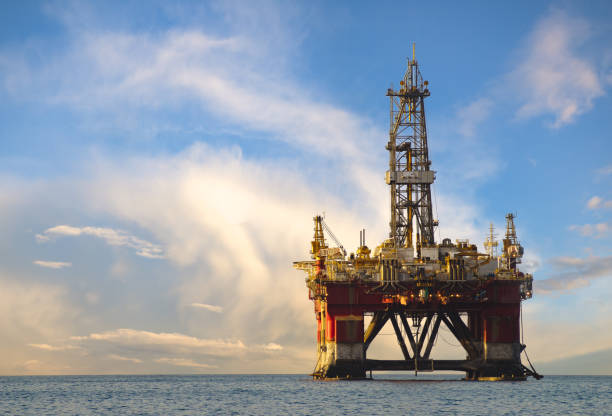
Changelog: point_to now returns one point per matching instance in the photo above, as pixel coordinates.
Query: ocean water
(387, 394)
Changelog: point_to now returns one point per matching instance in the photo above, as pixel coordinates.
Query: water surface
(299, 395)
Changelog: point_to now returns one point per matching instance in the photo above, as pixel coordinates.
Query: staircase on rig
(413, 282)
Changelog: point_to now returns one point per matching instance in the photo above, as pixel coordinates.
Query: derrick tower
(409, 173)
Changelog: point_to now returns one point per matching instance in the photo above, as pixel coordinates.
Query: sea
(386, 394)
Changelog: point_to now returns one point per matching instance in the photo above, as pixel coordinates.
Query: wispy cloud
(52, 264)
(552, 77)
(121, 358)
(604, 171)
(472, 115)
(212, 308)
(110, 236)
(592, 230)
(117, 72)
(166, 342)
(30, 365)
(183, 362)
(575, 273)
(479, 158)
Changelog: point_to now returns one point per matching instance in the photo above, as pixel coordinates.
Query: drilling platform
(413, 282)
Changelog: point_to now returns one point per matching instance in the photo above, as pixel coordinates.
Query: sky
(160, 165)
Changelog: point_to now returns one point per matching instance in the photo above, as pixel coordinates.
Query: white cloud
(121, 358)
(594, 202)
(273, 347)
(212, 308)
(596, 230)
(183, 362)
(553, 77)
(52, 264)
(232, 226)
(110, 236)
(575, 273)
(597, 202)
(606, 170)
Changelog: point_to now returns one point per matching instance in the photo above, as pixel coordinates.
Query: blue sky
(160, 166)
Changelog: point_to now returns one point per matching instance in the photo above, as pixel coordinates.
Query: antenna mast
(490, 243)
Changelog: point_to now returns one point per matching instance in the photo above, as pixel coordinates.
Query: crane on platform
(333, 236)
(319, 240)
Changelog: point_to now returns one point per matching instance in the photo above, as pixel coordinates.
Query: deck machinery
(413, 282)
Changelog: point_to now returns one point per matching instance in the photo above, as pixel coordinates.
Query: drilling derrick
(409, 175)
(413, 283)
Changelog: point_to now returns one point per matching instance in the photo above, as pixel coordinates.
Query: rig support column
(496, 330)
(340, 333)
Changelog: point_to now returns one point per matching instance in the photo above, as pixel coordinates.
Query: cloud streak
(598, 230)
(183, 362)
(121, 358)
(110, 236)
(165, 342)
(575, 273)
(52, 264)
(48, 347)
(211, 308)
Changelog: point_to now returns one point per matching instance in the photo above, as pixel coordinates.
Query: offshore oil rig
(413, 282)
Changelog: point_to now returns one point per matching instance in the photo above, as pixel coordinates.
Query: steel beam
(409, 333)
(423, 365)
(423, 334)
(469, 347)
(400, 338)
(432, 336)
(464, 331)
(376, 324)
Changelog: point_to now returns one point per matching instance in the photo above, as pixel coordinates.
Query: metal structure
(409, 174)
(414, 283)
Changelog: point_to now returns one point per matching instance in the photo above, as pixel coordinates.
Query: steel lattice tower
(409, 174)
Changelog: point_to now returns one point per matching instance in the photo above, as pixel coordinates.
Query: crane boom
(333, 236)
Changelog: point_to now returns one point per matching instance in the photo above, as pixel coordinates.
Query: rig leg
(495, 331)
(341, 352)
